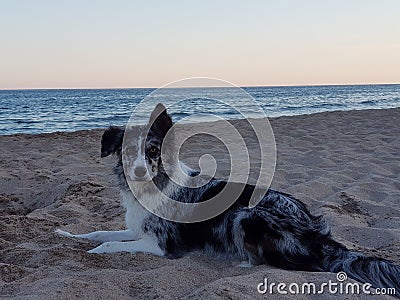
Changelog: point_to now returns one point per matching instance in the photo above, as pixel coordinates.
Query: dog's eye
(153, 150)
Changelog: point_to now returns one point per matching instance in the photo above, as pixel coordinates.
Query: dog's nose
(140, 171)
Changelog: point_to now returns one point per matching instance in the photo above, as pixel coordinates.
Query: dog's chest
(135, 213)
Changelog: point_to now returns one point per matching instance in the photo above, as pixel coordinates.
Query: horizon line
(244, 86)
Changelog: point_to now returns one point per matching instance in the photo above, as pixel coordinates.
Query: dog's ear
(111, 141)
(160, 122)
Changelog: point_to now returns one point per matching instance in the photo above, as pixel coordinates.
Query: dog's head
(141, 150)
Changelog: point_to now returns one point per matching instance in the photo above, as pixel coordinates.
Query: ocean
(40, 111)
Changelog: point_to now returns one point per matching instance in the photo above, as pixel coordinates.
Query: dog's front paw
(106, 247)
(64, 233)
(245, 264)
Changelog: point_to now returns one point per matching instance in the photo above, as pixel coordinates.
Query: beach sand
(345, 165)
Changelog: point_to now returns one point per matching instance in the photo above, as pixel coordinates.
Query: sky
(112, 44)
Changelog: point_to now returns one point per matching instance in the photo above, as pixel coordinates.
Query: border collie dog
(278, 231)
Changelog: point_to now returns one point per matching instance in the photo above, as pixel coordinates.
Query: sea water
(40, 111)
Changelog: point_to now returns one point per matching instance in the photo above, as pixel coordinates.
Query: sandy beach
(344, 165)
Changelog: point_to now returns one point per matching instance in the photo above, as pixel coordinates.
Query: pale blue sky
(77, 44)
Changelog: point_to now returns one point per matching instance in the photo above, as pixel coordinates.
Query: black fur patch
(111, 141)
(160, 122)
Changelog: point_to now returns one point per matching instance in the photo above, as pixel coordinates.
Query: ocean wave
(371, 101)
(315, 106)
(26, 121)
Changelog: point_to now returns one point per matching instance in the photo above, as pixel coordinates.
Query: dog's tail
(308, 246)
(380, 273)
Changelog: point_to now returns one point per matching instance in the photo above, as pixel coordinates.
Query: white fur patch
(135, 213)
(147, 244)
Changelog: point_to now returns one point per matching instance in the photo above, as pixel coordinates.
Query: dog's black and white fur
(279, 231)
